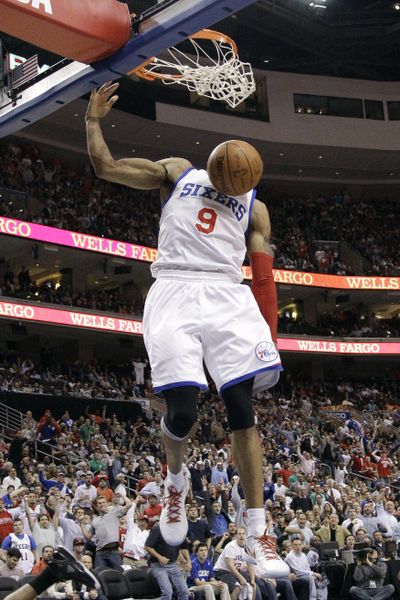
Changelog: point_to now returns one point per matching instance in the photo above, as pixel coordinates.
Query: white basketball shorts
(191, 317)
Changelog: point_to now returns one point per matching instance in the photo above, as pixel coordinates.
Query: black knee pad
(181, 410)
(239, 405)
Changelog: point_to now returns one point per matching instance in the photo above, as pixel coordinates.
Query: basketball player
(198, 310)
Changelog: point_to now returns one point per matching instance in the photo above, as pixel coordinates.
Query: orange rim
(204, 34)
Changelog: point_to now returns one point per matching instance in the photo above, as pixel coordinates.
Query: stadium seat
(26, 579)
(142, 584)
(7, 585)
(114, 584)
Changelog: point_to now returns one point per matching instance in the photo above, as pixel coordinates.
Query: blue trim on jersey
(278, 366)
(169, 386)
(253, 197)
(181, 176)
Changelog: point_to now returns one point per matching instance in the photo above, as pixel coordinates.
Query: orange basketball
(234, 167)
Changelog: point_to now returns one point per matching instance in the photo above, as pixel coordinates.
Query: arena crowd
(68, 196)
(95, 484)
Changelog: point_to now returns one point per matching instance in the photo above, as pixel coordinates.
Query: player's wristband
(264, 289)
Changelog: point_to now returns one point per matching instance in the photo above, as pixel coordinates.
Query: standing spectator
(106, 528)
(219, 474)
(6, 521)
(59, 483)
(153, 510)
(71, 528)
(12, 479)
(137, 532)
(25, 543)
(202, 576)
(198, 529)
(164, 568)
(352, 523)
(85, 494)
(43, 531)
(301, 501)
(48, 429)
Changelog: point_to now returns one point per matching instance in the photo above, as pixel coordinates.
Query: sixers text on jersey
(195, 190)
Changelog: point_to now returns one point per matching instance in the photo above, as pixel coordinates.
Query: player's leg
(176, 425)
(62, 567)
(175, 350)
(246, 450)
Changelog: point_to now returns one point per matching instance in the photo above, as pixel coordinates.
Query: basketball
(234, 167)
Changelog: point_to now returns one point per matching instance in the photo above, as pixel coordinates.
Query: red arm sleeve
(264, 289)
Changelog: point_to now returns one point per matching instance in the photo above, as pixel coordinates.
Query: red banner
(84, 320)
(83, 241)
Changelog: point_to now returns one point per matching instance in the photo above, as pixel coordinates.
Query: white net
(214, 71)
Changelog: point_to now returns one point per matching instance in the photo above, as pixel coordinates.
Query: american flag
(25, 71)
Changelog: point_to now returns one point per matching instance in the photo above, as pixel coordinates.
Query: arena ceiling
(348, 38)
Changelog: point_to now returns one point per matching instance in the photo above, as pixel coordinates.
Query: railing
(10, 418)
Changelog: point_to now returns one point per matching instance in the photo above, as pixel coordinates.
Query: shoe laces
(267, 547)
(172, 503)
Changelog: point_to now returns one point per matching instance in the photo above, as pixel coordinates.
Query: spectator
(106, 528)
(236, 568)
(25, 543)
(198, 529)
(137, 532)
(299, 566)
(47, 553)
(202, 576)
(333, 532)
(368, 576)
(164, 568)
(6, 521)
(11, 568)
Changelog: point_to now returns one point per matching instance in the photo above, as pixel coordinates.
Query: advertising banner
(92, 243)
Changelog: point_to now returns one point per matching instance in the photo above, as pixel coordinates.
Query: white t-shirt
(232, 550)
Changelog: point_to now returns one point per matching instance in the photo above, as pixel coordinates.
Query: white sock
(256, 521)
(177, 479)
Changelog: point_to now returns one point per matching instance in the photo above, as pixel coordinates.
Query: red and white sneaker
(173, 520)
(269, 563)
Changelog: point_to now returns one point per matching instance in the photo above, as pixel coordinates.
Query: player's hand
(101, 101)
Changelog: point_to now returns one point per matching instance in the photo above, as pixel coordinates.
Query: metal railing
(10, 418)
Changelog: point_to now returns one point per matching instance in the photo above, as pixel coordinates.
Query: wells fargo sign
(127, 326)
(120, 249)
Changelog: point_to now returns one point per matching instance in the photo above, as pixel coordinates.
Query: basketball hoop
(213, 70)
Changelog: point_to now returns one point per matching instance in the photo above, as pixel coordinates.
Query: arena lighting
(396, 6)
(317, 4)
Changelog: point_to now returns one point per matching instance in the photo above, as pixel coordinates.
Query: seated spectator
(299, 565)
(202, 575)
(368, 576)
(11, 568)
(42, 563)
(333, 532)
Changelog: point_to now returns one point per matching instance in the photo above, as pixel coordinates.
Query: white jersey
(24, 546)
(202, 230)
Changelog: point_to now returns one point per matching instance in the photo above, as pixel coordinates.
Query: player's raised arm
(139, 173)
(261, 259)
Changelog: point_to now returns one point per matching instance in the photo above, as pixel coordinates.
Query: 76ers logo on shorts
(266, 351)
